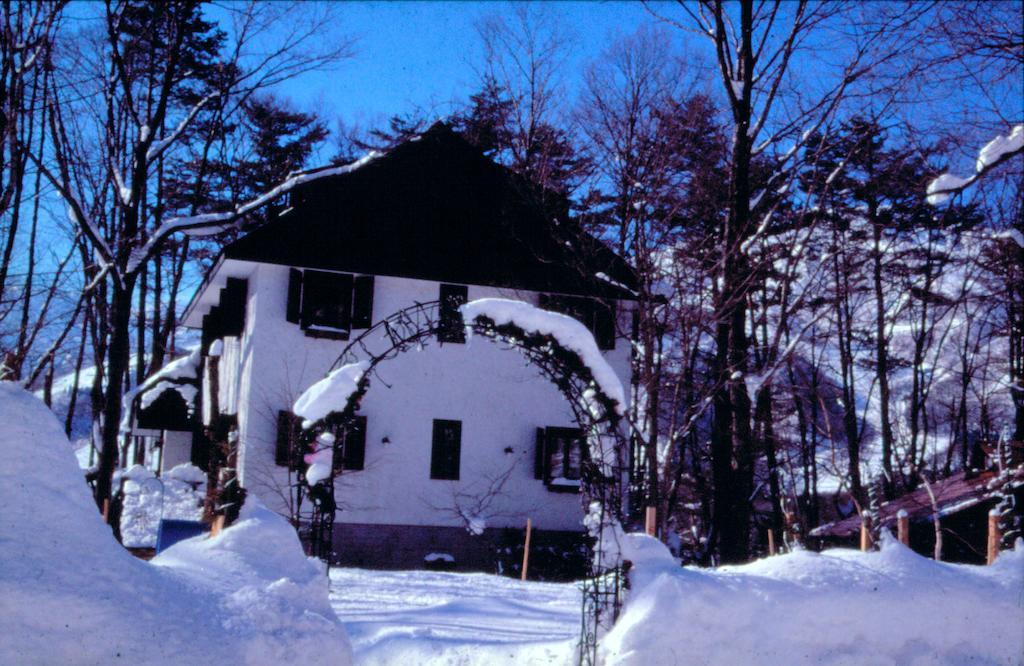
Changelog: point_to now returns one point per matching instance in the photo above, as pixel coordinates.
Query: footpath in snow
(432, 617)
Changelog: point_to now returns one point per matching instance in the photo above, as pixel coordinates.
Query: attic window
(329, 305)
(559, 458)
(597, 315)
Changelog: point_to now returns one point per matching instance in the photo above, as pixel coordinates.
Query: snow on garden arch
(561, 348)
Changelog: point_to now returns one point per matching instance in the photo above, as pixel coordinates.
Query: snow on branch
(994, 153)
(206, 224)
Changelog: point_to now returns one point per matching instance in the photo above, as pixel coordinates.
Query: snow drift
(70, 594)
(836, 607)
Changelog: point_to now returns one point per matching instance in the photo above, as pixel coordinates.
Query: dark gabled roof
(436, 208)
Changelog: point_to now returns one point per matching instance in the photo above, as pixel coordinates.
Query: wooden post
(771, 541)
(651, 521)
(106, 510)
(993, 537)
(526, 548)
(865, 533)
(903, 527)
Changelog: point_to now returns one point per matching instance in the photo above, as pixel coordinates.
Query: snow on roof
(569, 333)
(181, 375)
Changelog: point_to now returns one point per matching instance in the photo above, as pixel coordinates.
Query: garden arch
(598, 414)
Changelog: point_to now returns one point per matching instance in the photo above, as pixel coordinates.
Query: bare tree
(166, 78)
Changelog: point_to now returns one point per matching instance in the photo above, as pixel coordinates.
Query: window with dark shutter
(327, 303)
(564, 451)
(445, 450)
(354, 448)
(362, 302)
(288, 451)
(450, 326)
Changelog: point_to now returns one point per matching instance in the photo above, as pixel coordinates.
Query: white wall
(497, 395)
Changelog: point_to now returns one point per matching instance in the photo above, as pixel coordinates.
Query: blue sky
(427, 54)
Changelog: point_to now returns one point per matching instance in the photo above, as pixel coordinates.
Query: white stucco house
(460, 440)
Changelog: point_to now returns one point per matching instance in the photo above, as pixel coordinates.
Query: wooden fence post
(651, 521)
(865, 533)
(526, 548)
(993, 537)
(903, 527)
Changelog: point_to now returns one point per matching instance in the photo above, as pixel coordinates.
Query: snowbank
(569, 333)
(837, 607)
(70, 594)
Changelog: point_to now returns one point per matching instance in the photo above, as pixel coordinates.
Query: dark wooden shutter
(604, 324)
(362, 302)
(450, 326)
(232, 304)
(355, 444)
(294, 310)
(540, 455)
(445, 450)
(288, 427)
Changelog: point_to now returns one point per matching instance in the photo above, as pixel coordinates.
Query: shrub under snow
(836, 607)
(70, 594)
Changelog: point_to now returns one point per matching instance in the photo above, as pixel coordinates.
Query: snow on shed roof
(951, 495)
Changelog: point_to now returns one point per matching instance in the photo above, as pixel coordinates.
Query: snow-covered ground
(70, 594)
(841, 607)
(432, 617)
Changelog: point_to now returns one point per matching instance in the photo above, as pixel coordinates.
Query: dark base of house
(554, 555)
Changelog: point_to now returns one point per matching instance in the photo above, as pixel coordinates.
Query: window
(451, 328)
(597, 315)
(290, 449)
(559, 457)
(445, 450)
(327, 304)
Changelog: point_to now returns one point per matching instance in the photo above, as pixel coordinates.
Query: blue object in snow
(173, 531)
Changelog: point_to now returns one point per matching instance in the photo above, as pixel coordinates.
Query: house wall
(499, 398)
